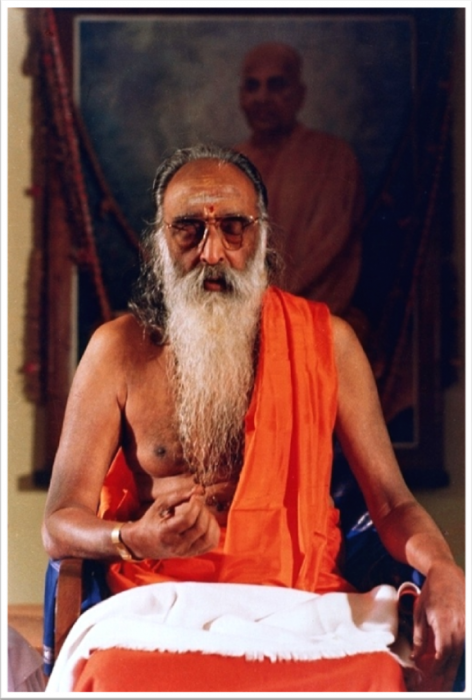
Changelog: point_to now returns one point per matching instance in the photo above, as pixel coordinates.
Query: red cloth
(282, 529)
(125, 670)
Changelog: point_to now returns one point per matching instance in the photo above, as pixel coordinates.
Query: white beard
(212, 336)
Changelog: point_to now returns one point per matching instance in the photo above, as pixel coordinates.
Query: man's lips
(216, 285)
(214, 279)
(263, 114)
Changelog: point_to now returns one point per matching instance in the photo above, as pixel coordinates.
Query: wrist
(443, 568)
(121, 547)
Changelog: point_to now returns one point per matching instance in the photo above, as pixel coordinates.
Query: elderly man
(315, 187)
(196, 448)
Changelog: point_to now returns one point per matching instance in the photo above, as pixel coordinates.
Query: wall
(26, 559)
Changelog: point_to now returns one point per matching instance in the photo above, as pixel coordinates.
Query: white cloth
(232, 620)
(24, 665)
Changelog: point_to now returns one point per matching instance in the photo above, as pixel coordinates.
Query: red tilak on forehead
(209, 210)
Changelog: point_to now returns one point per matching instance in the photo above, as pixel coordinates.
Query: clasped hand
(176, 524)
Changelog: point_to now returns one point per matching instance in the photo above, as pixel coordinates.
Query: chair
(74, 585)
(71, 587)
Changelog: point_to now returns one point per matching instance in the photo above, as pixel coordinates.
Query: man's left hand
(439, 628)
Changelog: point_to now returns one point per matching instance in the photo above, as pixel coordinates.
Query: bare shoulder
(119, 340)
(352, 365)
(345, 339)
(117, 350)
(123, 327)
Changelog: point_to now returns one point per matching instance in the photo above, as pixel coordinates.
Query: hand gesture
(177, 523)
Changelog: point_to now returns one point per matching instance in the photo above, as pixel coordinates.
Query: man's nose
(212, 250)
(262, 93)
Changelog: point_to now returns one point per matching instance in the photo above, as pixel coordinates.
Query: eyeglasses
(191, 232)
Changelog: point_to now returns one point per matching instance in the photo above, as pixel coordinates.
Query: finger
(435, 679)
(438, 660)
(167, 505)
(182, 519)
(208, 540)
(423, 636)
(169, 485)
(446, 664)
(449, 676)
(166, 513)
(195, 518)
(202, 533)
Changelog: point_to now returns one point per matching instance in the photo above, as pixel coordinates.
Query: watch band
(120, 546)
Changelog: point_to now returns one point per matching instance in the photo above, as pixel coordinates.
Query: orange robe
(282, 529)
(316, 201)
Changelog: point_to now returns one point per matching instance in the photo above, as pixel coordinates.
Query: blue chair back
(94, 589)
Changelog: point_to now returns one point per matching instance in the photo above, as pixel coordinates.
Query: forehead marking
(215, 187)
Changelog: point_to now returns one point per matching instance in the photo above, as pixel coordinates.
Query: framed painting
(148, 81)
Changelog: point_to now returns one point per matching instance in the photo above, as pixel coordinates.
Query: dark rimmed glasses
(191, 232)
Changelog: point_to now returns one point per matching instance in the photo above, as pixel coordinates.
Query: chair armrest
(68, 599)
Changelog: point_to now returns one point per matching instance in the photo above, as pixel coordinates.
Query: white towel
(232, 620)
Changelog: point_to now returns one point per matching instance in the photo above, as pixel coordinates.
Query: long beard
(213, 337)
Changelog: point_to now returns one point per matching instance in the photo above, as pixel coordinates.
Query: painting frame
(421, 457)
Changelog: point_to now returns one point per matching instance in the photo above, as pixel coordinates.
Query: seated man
(197, 447)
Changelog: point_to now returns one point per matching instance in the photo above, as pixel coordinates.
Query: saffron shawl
(282, 529)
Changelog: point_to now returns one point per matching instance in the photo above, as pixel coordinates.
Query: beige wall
(26, 559)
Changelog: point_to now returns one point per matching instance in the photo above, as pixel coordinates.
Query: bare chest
(150, 440)
(149, 431)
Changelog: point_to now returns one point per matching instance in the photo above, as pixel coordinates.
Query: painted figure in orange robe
(313, 179)
(197, 444)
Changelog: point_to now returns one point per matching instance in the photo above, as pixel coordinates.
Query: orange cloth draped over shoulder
(282, 529)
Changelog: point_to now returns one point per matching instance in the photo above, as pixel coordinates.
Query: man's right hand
(177, 524)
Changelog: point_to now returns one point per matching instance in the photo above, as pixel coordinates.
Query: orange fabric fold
(282, 529)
